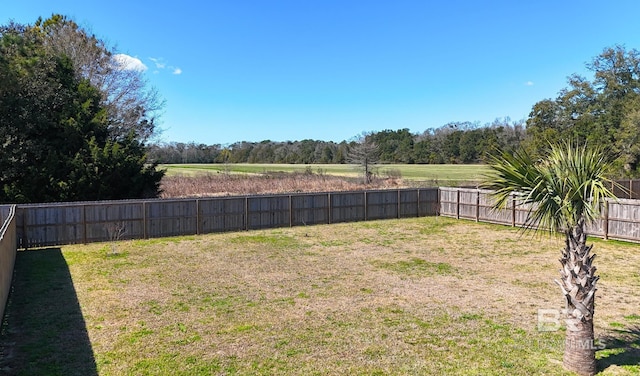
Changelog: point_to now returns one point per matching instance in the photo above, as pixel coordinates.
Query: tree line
(459, 142)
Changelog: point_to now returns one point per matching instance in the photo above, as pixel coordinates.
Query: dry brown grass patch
(207, 185)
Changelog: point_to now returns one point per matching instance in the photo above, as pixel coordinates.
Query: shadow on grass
(44, 332)
(622, 348)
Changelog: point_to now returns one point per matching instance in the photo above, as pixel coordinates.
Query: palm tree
(564, 191)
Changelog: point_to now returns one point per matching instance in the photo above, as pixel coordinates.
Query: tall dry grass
(207, 185)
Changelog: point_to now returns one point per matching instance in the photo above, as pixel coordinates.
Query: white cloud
(127, 62)
(529, 83)
(160, 64)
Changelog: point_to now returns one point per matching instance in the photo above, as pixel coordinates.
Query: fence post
(457, 203)
(478, 206)
(606, 220)
(328, 207)
(399, 206)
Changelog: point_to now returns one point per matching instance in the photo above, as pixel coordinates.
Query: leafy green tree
(565, 190)
(50, 121)
(327, 155)
(394, 146)
(601, 111)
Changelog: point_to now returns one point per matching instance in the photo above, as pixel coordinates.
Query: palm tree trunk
(579, 349)
(578, 284)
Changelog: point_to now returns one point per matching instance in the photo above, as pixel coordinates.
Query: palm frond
(568, 184)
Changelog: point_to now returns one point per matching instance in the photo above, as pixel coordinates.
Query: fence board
(382, 205)
(48, 225)
(268, 212)
(8, 249)
(449, 202)
(310, 209)
(428, 202)
(222, 214)
(620, 190)
(486, 213)
(627, 189)
(409, 203)
(468, 204)
(348, 207)
(101, 220)
(171, 218)
(624, 220)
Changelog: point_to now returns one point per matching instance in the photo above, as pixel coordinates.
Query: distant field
(407, 171)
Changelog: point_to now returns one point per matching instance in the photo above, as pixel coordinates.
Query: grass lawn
(422, 296)
(444, 173)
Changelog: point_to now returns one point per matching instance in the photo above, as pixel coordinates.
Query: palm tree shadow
(622, 348)
(44, 332)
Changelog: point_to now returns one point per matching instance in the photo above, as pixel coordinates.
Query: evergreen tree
(52, 125)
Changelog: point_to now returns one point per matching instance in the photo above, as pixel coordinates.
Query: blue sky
(329, 70)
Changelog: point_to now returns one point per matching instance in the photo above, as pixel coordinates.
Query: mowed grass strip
(427, 296)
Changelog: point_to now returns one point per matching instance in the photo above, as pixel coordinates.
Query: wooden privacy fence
(627, 189)
(620, 217)
(8, 248)
(40, 225)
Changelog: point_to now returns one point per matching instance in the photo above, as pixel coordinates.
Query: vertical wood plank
(513, 211)
(478, 206)
(606, 220)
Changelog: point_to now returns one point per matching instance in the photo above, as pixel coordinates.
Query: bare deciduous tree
(364, 153)
(132, 105)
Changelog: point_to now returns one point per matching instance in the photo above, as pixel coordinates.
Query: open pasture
(420, 296)
(443, 173)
